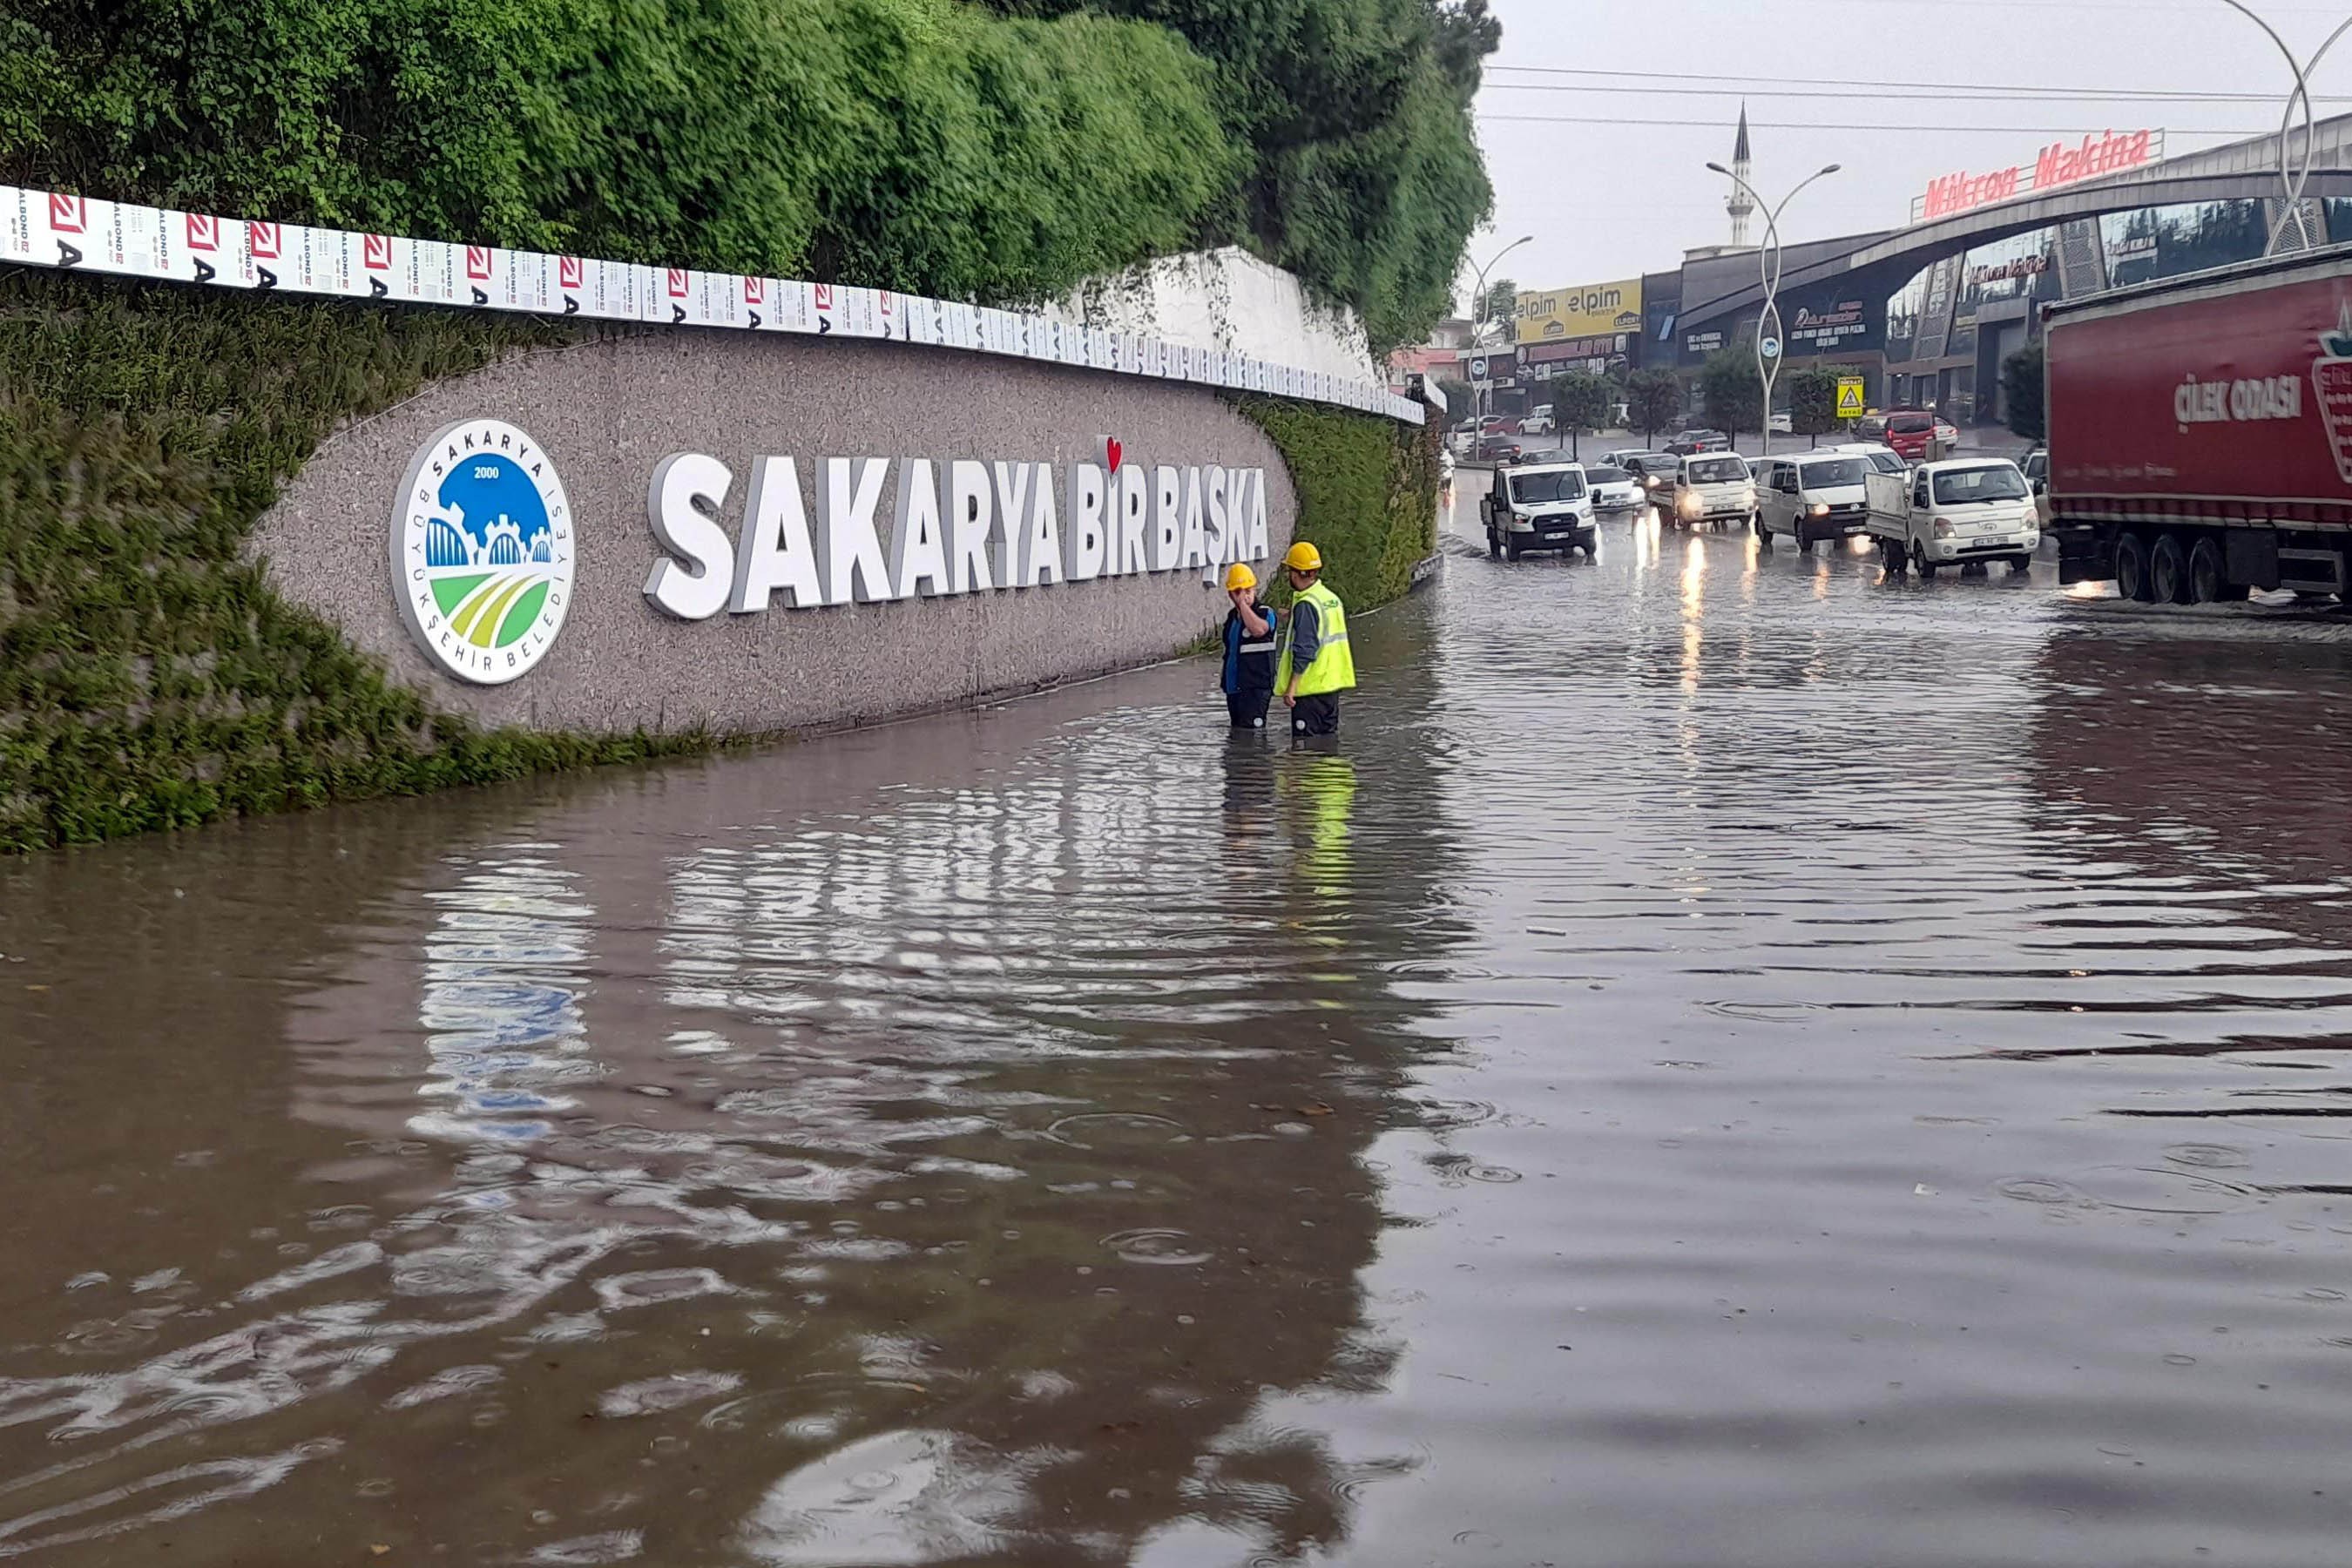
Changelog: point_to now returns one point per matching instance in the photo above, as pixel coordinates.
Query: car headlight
(1748, 496)
(1649, 482)
(1820, 509)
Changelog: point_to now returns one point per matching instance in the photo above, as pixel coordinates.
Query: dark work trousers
(1318, 715)
(1248, 708)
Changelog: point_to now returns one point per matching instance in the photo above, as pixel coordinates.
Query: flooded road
(1728, 1062)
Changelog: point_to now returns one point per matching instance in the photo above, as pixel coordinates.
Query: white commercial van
(1955, 515)
(1812, 498)
(1539, 506)
(1714, 488)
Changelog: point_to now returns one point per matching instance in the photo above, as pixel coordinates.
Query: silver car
(1614, 489)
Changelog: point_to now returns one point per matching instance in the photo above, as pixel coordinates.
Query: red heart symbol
(1113, 452)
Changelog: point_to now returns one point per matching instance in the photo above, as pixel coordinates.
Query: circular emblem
(482, 550)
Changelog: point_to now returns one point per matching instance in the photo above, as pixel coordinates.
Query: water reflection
(1807, 1075)
(881, 1178)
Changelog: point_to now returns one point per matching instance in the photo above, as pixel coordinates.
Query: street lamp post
(1477, 314)
(2294, 171)
(1767, 325)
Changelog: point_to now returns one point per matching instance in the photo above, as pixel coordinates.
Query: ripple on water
(1117, 1130)
(653, 1395)
(2208, 1156)
(655, 1286)
(1173, 1249)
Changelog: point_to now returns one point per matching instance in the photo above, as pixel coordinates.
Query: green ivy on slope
(149, 677)
(923, 145)
(1367, 493)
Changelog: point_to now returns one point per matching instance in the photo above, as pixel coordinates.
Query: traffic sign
(1771, 347)
(1849, 404)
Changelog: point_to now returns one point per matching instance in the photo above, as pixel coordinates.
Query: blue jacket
(1249, 660)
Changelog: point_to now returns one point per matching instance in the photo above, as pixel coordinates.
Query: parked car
(1498, 449)
(1614, 488)
(1813, 498)
(1656, 470)
(1537, 424)
(1918, 437)
(1539, 506)
(1714, 488)
(1955, 513)
(1782, 423)
(1871, 427)
(1461, 443)
(2036, 468)
(1499, 424)
(1690, 443)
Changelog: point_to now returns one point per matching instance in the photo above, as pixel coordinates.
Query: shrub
(149, 675)
(1367, 492)
(914, 145)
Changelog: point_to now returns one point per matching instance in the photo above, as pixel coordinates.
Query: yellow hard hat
(1304, 557)
(1238, 576)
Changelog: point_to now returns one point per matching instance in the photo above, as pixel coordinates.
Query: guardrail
(48, 228)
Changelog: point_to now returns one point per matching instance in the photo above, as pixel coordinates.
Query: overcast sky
(1609, 200)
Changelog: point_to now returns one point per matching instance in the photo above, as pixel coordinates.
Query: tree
(1730, 393)
(1653, 400)
(1004, 150)
(1580, 403)
(1461, 401)
(2021, 392)
(1500, 302)
(1813, 401)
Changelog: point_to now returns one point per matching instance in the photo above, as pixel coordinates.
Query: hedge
(932, 146)
(1367, 492)
(149, 677)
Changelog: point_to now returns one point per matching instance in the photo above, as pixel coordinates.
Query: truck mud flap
(2083, 556)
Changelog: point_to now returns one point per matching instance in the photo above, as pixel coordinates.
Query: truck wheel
(1511, 548)
(2131, 568)
(1494, 546)
(2207, 576)
(2168, 571)
(1756, 525)
(1897, 558)
(1925, 563)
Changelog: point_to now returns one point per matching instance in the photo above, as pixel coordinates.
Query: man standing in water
(1316, 664)
(1250, 629)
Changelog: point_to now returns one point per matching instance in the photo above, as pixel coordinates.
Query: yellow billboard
(1555, 315)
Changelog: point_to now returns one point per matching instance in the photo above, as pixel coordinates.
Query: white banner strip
(42, 228)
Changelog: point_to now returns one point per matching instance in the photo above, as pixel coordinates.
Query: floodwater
(1726, 1062)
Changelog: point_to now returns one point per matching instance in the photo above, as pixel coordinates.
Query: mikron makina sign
(2060, 163)
(484, 541)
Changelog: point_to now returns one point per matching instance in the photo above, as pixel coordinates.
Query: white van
(1539, 506)
(1714, 488)
(1811, 498)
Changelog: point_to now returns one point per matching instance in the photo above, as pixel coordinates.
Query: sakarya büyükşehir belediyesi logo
(482, 550)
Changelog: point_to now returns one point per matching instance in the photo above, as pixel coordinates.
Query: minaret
(1741, 207)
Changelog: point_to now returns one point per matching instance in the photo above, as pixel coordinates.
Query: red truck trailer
(2200, 431)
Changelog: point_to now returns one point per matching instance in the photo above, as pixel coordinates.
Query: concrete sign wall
(754, 534)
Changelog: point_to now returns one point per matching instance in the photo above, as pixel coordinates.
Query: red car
(1917, 436)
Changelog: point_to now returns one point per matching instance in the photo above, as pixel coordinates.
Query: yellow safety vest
(1334, 667)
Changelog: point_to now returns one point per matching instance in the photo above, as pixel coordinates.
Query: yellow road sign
(1850, 405)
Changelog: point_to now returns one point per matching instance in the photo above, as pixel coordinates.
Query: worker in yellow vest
(1316, 665)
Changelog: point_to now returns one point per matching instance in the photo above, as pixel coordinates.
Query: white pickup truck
(1955, 513)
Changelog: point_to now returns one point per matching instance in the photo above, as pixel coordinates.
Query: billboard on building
(1592, 310)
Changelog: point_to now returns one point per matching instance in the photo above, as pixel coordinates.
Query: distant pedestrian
(1316, 664)
(1250, 629)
